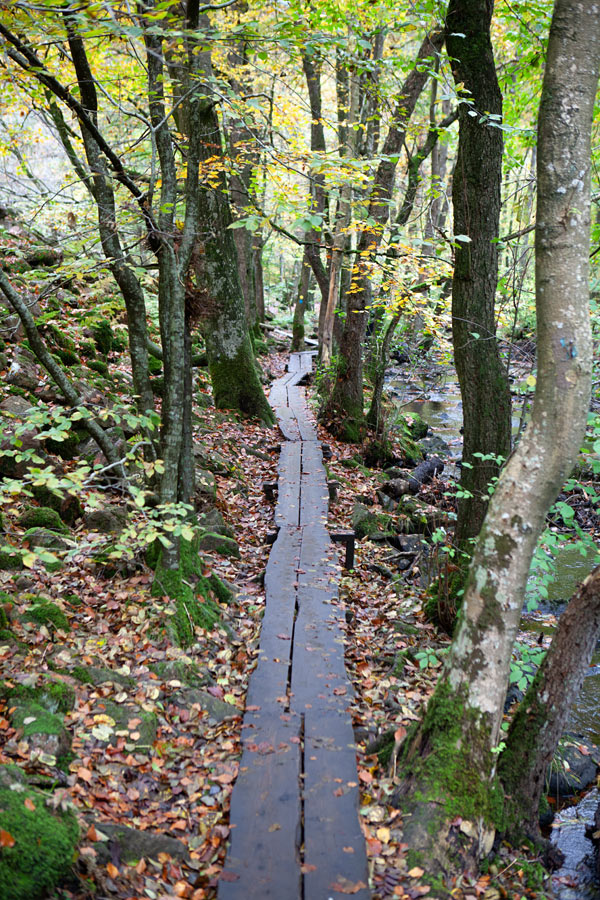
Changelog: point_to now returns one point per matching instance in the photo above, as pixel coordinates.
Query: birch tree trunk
(448, 766)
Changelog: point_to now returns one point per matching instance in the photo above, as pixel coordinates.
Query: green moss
(236, 384)
(44, 845)
(45, 612)
(52, 696)
(87, 349)
(34, 719)
(67, 357)
(157, 383)
(445, 774)
(103, 336)
(68, 506)
(191, 591)
(98, 365)
(417, 426)
(155, 366)
(10, 561)
(67, 448)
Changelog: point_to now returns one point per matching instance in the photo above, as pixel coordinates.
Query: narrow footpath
(295, 833)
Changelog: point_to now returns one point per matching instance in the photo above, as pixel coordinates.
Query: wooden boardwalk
(295, 833)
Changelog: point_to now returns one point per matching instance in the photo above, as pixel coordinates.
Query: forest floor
(151, 738)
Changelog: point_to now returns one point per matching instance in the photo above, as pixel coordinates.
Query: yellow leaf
(416, 872)
(383, 835)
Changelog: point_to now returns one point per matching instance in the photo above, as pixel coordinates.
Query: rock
(97, 675)
(218, 543)
(42, 517)
(10, 561)
(398, 487)
(178, 670)
(105, 521)
(42, 537)
(216, 708)
(425, 472)
(582, 767)
(16, 406)
(213, 521)
(45, 612)
(417, 426)
(68, 506)
(206, 489)
(141, 734)
(44, 845)
(129, 845)
(43, 730)
(22, 374)
(368, 524)
(433, 443)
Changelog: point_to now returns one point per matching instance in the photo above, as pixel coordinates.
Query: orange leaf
(84, 774)
(6, 839)
(400, 734)
(112, 870)
(365, 776)
(30, 805)
(344, 886)
(416, 872)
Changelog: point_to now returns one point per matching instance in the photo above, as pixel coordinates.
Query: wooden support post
(333, 488)
(270, 488)
(347, 538)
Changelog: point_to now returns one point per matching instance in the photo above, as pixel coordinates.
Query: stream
(435, 396)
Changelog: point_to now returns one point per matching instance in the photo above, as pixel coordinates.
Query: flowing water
(436, 398)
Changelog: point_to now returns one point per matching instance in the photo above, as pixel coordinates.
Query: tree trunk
(476, 199)
(540, 720)
(301, 306)
(231, 363)
(448, 764)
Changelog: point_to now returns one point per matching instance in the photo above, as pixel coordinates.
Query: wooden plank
(314, 493)
(265, 818)
(287, 508)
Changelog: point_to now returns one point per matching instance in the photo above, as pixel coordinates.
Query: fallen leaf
(275, 827)
(344, 886)
(416, 872)
(112, 870)
(6, 839)
(308, 867)
(383, 834)
(30, 805)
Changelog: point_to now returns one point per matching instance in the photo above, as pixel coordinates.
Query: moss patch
(42, 517)
(53, 696)
(45, 612)
(43, 848)
(192, 593)
(10, 561)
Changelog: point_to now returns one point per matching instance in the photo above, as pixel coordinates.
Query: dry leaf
(416, 872)
(6, 839)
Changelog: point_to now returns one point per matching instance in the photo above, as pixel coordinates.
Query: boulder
(216, 708)
(42, 537)
(23, 374)
(574, 767)
(42, 517)
(218, 543)
(105, 521)
(213, 521)
(129, 845)
(206, 489)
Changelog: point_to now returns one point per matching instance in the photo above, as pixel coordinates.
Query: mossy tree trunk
(301, 305)
(477, 180)
(539, 722)
(448, 766)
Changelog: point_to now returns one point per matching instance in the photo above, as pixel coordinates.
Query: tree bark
(448, 765)
(483, 379)
(540, 720)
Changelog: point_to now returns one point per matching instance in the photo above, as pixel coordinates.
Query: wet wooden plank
(287, 508)
(265, 818)
(314, 494)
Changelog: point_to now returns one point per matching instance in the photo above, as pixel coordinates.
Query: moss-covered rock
(98, 365)
(68, 506)
(367, 524)
(105, 521)
(42, 517)
(67, 357)
(219, 543)
(417, 426)
(139, 725)
(68, 448)
(179, 670)
(97, 675)
(41, 537)
(10, 561)
(104, 338)
(53, 695)
(45, 612)
(44, 841)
